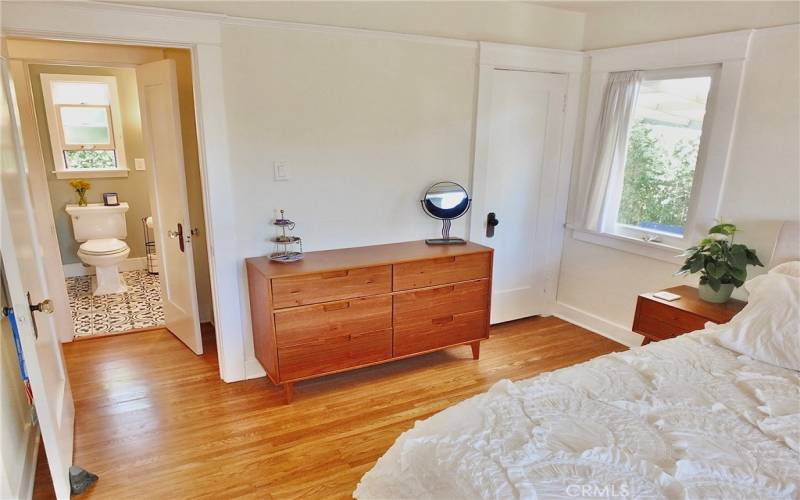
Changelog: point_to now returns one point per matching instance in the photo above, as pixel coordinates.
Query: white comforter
(684, 418)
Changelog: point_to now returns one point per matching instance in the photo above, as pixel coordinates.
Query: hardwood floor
(155, 421)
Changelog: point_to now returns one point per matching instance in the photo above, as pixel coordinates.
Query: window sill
(653, 250)
(91, 173)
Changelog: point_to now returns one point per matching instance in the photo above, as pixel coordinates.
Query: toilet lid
(104, 246)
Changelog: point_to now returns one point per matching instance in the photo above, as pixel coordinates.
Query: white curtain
(611, 143)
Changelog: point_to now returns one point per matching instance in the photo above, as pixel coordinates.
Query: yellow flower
(79, 185)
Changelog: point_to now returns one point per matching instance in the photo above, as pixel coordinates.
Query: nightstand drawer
(654, 329)
(681, 320)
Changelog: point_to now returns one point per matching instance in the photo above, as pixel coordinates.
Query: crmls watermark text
(599, 491)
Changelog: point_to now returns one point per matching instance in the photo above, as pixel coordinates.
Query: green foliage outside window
(90, 158)
(658, 182)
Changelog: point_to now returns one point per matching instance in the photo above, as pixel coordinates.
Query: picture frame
(110, 199)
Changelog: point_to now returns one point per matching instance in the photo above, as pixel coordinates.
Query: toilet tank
(96, 221)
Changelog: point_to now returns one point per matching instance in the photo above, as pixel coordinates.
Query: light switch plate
(281, 170)
(139, 164)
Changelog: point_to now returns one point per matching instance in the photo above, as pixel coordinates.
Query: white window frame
(57, 140)
(728, 53)
(615, 185)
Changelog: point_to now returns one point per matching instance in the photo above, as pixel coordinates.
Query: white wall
(365, 125)
(761, 190)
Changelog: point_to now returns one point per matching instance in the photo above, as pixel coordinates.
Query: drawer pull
(334, 274)
(443, 320)
(335, 307)
(435, 291)
(445, 260)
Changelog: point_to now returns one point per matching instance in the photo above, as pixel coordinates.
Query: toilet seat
(104, 246)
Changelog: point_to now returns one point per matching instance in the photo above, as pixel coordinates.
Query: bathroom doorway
(115, 123)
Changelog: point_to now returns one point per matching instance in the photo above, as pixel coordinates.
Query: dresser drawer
(682, 321)
(427, 333)
(441, 301)
(346, 317)
(328, 286)
(333, 354)
(431, 272)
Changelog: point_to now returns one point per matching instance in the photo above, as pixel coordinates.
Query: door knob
(179, 235)
(491, 223)
(45, 306)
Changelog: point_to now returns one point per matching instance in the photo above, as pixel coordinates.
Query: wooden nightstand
(658, 319)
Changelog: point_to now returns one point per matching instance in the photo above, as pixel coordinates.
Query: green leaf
(726, 229)
(739, 274)
(752, 258)
(696, 264)
(738, 257)
(714, 283)
(716, 270)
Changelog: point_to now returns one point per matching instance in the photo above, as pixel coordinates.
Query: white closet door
(518, 146)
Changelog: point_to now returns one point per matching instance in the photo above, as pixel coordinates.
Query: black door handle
(180, 237)
(491, 223)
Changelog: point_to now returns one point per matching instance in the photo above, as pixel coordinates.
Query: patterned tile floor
(139, 307)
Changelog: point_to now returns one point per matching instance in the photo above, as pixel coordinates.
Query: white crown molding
(340, 30)
(143, 25)
(507, 56)
(694, 51)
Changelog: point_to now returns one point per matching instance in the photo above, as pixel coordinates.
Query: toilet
(101, 230)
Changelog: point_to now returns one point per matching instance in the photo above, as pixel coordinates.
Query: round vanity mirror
(446, 201)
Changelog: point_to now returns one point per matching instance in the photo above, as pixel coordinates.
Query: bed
(710, 414)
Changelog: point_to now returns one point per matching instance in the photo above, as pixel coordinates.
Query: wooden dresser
(338, 310)
(658, 319)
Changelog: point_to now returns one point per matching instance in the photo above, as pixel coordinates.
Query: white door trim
(202, 35)
(494, 56)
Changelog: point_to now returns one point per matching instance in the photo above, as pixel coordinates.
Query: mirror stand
(446, 201)
(446, 239)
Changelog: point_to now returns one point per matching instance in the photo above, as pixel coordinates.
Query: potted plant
(722, 264)
(80, 186)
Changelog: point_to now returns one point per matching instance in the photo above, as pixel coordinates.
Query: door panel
(24, 272)
(522, 127)
(161, 127)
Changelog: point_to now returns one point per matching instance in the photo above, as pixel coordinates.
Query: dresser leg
(646, 341)
(288, 392)
(476, 350)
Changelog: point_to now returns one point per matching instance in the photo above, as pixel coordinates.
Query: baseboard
(596, 324)
(253, 369)
(78, 269)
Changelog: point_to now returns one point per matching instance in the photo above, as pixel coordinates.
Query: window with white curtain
(650, 194)
(85, 125)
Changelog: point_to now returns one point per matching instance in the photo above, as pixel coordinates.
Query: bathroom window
(83, 117)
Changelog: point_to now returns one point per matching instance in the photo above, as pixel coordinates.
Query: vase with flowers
(81, 187)
(722, 264)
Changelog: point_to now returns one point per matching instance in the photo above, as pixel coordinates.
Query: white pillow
(791, 268)
(768, 328)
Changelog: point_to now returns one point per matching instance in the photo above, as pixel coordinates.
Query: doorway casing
(202, 36)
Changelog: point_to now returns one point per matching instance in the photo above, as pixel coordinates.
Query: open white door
(26, 284)
(518, 144)
(161, 127)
